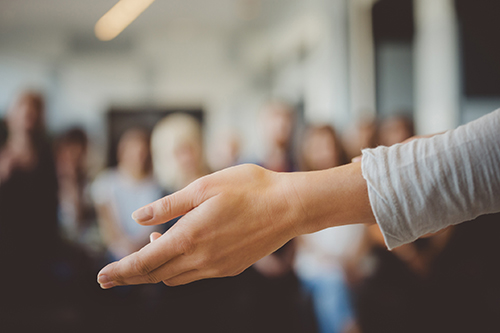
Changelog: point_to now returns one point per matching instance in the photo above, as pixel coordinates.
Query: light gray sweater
(428, 184)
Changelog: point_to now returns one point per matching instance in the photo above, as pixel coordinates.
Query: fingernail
(103, 279)
(356, 159)
(151, 239)
(107, 285)
(143, 215)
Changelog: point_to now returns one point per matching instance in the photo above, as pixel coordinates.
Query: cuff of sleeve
(383, 207)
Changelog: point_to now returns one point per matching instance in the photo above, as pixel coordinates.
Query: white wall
(166, 69)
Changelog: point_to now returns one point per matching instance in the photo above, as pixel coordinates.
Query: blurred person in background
(394, 290)
(177, 148)
(76, 212)
(444, 282)
(275, 296)
(320, 256)
(278, 123)
(395, 129)
(251, 302)
(27, 174)
(3, 133)
(395, 286)
(48, 282)
(363, 134)
(225, 152)
(179, 159)
(117, 192)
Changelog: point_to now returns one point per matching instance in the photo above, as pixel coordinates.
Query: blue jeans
(331, 301)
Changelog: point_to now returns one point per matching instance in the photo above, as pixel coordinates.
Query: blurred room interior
(338, 60)
(342, 63)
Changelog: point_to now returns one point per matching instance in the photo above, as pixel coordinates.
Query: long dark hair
(339, 148)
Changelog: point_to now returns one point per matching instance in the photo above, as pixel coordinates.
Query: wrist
(332, 197)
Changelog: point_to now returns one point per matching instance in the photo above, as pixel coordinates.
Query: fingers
(154, 236)
(141, 263)
(185, 278)
(167, 208)
(356, 159)
(170, 269)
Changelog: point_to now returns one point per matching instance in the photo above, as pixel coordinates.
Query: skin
(235, 217)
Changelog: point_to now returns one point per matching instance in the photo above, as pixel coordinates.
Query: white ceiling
(80, 15)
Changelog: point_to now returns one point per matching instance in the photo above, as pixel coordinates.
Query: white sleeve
(428, 184)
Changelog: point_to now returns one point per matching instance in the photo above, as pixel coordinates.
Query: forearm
(332, 197)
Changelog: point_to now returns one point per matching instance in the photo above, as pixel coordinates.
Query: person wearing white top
(119, 191)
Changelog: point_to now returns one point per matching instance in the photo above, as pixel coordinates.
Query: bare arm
(237, 216)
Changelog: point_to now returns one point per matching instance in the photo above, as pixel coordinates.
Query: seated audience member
(27, 174)
(447, 282)
(278, 124)
(444, 282)
(273, 289)
(47, 287)
(395, 129)
(225, 152)
(320, 256)
(177, 147)
(179, 159)
(364, 134)
(76, 212)
(3, 133)
(117, 192)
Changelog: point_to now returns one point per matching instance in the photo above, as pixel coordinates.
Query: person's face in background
(278, 124)
(320, 150)
(367, 132)
(134, 153)
(26, 116)
(395, 130)
(362, 135)
(188, 157)
(71, 158)
(226, 152)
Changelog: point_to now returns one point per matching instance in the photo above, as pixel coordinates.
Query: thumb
(154, 236)
(167, 208)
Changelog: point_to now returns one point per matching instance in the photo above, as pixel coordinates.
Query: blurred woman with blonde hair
(177, 150)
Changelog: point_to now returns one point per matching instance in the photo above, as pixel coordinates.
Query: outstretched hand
(231, 219)
(236, 216)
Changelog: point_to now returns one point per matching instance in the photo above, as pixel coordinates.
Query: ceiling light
(119, 17)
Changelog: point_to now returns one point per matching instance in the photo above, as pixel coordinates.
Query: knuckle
(253, 170)
(201, 187)
(114, 274)
(203, 262)
(140, 266)
(186, 244)
(166, 204)
(152, 278)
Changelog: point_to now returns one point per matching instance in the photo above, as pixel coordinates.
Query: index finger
(142, 262)
(170, 206)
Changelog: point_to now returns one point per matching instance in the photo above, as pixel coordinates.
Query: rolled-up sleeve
(428, 184)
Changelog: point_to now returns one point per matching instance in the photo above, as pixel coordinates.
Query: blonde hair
(168, 135)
